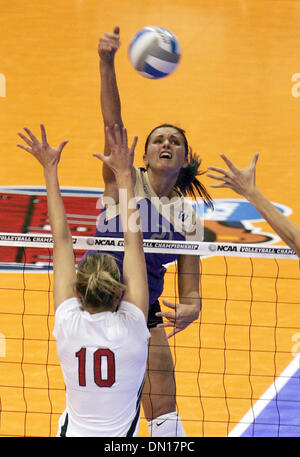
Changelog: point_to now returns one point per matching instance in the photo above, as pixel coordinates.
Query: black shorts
(152, 319)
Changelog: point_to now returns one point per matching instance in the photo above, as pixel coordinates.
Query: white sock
(166, 425)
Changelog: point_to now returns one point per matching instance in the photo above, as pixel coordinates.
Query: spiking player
(170, 173)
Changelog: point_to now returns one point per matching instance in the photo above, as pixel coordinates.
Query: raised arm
(120, 161)
(109, 97)
(63, 257)
(243, 183)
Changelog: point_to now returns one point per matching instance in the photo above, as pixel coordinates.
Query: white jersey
(103, 359)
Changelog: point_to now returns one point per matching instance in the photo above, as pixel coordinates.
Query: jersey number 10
(99, 355)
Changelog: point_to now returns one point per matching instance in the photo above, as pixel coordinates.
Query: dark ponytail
(187, 182)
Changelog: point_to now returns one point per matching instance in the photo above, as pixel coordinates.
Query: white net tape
(206, 249)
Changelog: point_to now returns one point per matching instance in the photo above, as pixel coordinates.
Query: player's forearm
(109, 95)
(134, 259)
(188, 281)
(285, 228)
(134, 265)
(128, 210)
(56, 210)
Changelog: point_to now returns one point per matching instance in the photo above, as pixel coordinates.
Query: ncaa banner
(23, 210)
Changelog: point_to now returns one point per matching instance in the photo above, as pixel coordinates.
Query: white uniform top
(103, 359)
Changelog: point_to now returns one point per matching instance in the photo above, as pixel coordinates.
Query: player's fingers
(219, 170)
(25, 147)
(21, 135)
(219, 178)
(166, 324)
(124, 137)
(100, 156)
(169, 304)
(107, 45)
(168, 315)
(43, 134)
(62, 145)
(228, 163)
(254, 160)
(117, 30)
(217, 186)
(111, 39)
(34, 139)
(134, 142)
(109, 36)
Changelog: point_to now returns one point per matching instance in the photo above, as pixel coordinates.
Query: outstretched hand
(120, 159)
(41, 150)
(241, 181)
(108, 45)
(179, 318)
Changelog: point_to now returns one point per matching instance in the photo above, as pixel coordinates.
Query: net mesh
(225, 362)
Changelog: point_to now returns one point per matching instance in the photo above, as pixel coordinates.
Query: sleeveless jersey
(103, 359)
(161, 219)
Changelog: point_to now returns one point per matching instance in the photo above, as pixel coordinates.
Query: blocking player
(100, 323)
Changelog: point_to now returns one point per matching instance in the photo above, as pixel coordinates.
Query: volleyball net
(232, 366)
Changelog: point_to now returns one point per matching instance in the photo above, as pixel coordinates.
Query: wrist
(197, 306)
(193, 300)
(107, 64)
(124, 178)
(50, 169)
(252, 194)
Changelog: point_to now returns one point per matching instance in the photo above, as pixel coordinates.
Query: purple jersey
(157, 222)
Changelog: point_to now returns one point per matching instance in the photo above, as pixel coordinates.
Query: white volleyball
(154, 52)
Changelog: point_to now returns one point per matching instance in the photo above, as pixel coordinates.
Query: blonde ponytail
(98, 280)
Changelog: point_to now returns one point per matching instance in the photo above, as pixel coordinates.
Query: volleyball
(154, 52)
